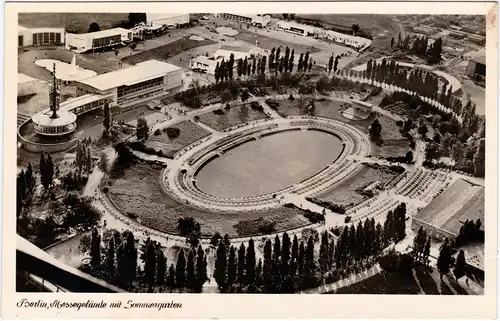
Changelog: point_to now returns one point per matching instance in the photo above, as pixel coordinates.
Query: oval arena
(180, 179)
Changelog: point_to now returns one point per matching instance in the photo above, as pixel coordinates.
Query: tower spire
(54, 95)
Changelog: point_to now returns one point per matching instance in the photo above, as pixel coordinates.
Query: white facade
(254, 19)
(88, 41)
(166, 19)
(39, 36)
(129, 85)
(305, 30)
(208, 64)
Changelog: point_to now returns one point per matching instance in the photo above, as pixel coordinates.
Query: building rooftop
(43, 118)
(21, 28)
(131, 75)
(73, 103)
(22, 78)
(151, 16)
(480, 60)
(106, 33)
(459, 202)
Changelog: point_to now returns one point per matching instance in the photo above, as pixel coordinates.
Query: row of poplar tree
(289, 265)
(275, 62)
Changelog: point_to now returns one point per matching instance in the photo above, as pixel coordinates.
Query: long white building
(99, 39)
(129, 85)
(306, 30)
(167, 19)
(261, 20)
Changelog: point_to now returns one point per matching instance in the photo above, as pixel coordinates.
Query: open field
(233, 116)
(137, 190)
(459, 202)
(421, 282)
(345, 194)
(189, 133)
(77, 21)
(166, 51)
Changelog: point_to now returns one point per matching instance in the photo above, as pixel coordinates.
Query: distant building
(476, 68)
(457, 34)
(123, 87)
(99, 39)
(442, 221)
(208, 64)
(165, 19)
(480, 40)
(39, 36)
(423, 30)
(253, 19)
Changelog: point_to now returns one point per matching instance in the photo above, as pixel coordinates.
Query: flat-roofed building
(129, 85)
(167, 19)
(480, 40)
(39, 36)
(261, 20)
(99, 39)
(444, 216)
(476, 68)
(208, 64)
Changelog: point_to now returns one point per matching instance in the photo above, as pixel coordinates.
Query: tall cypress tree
(241, 264)
(301, 62)
(231, 267)
(220, 269)
(190, 272)
(285, 254)
(324, 252)
(95, 248)
(171, 277)
(201, 269)
(461, 266)
(110, 258)
(301, 260)
(277, 248)
(290, 63)
(251, 261)
(268, 266)
(161, 266)
(180, 270)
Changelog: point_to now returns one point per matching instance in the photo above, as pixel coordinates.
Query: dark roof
(480, 60)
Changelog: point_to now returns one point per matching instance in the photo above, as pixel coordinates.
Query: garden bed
(136, 190)
(346, 193)
(235, 115)
(189, 133)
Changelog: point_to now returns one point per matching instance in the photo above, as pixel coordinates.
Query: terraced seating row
(377, 207)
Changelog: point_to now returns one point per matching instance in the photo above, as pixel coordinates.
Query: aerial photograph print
(270, 153)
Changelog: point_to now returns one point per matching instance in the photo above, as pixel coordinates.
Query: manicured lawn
(137, 190)
(166, 51)
(189, 133)
(233, 116)
(346, 194)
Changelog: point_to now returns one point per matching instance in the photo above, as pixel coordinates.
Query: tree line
(420, 46)
(289, 266)
(276, 62)
(117, 263)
